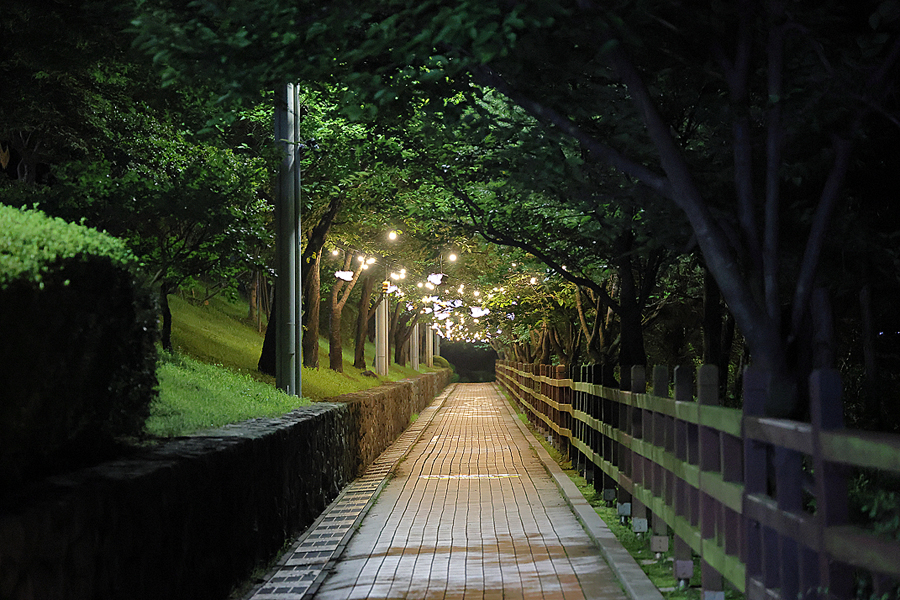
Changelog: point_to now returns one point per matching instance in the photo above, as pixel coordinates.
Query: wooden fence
(763, 502)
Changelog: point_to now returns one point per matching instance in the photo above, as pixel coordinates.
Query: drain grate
(302, 571)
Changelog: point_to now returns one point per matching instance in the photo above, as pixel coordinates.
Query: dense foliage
(657, 171)
(756, 122)
(32, 244)
(78, 361)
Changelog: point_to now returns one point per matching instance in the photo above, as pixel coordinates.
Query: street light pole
(381, 333)
(287, 245)
(429, 348)
(414, 347)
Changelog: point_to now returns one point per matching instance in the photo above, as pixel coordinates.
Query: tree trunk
(401, 345)
(335, 345)
(362, 322)
(253, 308)
(166, 334)
(718, 331)
(712, 321)
(338, 300)
(724, 368)
(312, 303)
(267, 358)
(631, 348)
(543, 350)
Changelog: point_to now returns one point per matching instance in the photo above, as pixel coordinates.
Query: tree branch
(775, 57)
(484, 75)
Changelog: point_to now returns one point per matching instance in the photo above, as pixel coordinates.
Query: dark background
(473, 362)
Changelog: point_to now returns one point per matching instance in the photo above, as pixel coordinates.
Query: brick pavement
(471, 512)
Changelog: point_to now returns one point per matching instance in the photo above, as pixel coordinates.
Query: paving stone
(470, 513)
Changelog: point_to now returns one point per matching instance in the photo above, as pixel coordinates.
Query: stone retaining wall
(192, 518)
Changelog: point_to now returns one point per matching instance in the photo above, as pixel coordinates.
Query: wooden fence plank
(727, 483)
(864, 549)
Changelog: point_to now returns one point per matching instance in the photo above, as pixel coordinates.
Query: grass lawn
(194, 395)
(211, 379)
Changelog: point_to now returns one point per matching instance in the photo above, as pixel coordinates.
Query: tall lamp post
(414, 347)
(381, 333)
(287, 245)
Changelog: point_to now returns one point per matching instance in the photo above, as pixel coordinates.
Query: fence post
(659, 541)
(755, 481)
(831, 484)
(586, 432)
(620, 415)
(710, 460)
(683, 564)
(639, 522)
(600, 444)
(580, 426)
(565, 417)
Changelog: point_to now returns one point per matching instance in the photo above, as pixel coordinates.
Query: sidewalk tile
(470, 513)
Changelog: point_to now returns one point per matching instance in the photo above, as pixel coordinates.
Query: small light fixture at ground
(420, 284)
(392, 235)
(361, 258)
(452, 258)
(335, 252)
(533, 280)
(370, 260)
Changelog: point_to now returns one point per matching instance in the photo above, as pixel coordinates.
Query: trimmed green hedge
(31, 243)
(77, 351)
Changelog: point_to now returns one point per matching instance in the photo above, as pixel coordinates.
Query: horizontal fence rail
(763, 502)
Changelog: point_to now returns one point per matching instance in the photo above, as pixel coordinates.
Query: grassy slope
(212, 380)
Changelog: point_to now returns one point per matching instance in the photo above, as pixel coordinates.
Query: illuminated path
(470, 512)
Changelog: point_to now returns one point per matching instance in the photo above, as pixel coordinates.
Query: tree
(123, 156)
(584, 223)
(186, 210)
(51, 104)
(337, 301)
(744, 106)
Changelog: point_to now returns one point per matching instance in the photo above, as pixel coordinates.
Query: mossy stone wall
(192, 518)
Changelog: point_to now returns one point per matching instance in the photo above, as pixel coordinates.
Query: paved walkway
(470, 512)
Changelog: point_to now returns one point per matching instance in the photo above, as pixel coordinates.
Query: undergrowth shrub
(77, 357)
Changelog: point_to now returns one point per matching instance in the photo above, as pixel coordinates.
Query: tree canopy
(737, 156)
